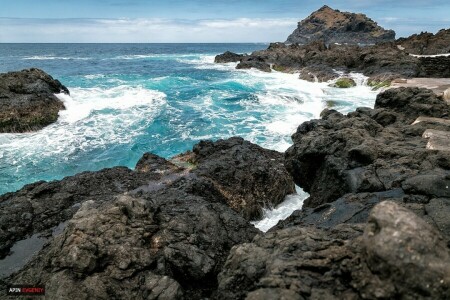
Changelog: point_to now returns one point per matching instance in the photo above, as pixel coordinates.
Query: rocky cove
(375, 226)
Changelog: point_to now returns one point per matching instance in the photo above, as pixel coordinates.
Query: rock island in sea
(376, 224)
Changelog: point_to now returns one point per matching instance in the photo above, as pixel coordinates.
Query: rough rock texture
(246, 176)
(435, 66)
(396, 255)
(249, 176)
(158, 232)
(228, 57)
(27, 100)
(350, 163)
(334, 26)
(316, 60)
(427, 43)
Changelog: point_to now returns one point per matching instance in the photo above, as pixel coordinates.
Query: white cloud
(145, 30)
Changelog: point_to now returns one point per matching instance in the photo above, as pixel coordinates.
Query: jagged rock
(370, 150)
(399, 256)
(316, 58)
(28, 101)
(168, 244)
(228, 57)
(249, 176)
(334, 26)
(427, 43)
(249, 62)
(159, 232)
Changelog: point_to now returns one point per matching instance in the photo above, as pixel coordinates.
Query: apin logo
(29, 290)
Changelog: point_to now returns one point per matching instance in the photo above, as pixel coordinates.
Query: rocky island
(333, 26)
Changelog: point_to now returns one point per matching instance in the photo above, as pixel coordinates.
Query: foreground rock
(250, 177)
(334, 26)
(396, 255)
(161, 231)
(28, 100)
(427, 43)
(246, 176)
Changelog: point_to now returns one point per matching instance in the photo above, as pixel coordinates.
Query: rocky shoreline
(376, 224)
(330, 44)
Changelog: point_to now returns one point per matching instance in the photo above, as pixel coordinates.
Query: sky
(209, 21)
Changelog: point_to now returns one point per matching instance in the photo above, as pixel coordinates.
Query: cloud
(145, 30)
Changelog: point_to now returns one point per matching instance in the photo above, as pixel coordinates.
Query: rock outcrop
(28, 100)
(161, 231)
(334, 26)
(318, 62)
(427, 43)
(228, 57)
(350, 163)
(396, 255)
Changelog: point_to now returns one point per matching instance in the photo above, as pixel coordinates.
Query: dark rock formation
(246, 176)
(427, 43)
(395, 256)
(435, 66)
(333, 26)
(28, 101)
(317, 61)
(350, 163)
(228, 57)
(249, 176)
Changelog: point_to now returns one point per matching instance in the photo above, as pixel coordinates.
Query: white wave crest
(94, 117)
(273, 215)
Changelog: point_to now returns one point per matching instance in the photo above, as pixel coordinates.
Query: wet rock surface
(350, 163)
(228, 57)
(334, 26)
(161, 231)
(250, 177)
(395, 255)
(28, 100)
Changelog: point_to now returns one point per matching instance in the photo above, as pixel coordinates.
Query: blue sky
(198, 20)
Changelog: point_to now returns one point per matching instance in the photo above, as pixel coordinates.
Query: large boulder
(334, 26)
(396, 255)
(28, 100)
(250, 177)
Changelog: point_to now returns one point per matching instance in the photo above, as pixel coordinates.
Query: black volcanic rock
(228, 57)
(249, 177)
(333, 26)
(396, 255)
(28, 101)
(427, 43)
(370, 150)
(161, 230)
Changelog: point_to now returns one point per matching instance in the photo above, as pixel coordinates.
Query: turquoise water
(128, 99)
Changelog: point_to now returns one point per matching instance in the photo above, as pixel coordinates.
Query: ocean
(128, 99)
